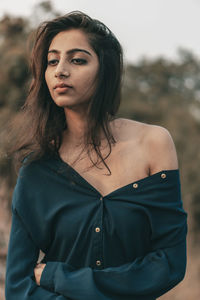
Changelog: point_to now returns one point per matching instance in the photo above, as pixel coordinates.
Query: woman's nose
(62, 70)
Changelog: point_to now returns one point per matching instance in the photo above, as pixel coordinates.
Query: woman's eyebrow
(71, 51)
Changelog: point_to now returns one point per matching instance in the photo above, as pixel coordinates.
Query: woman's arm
(146, 278)
(21, 261)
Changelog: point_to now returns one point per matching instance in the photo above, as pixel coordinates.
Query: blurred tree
(43, 11)
(13, 60)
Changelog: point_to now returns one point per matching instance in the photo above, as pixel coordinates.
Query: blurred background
(161, 86)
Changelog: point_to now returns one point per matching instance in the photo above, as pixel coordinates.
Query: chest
(127, 163)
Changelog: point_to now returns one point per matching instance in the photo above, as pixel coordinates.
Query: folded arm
(21, 261)
(145, 278)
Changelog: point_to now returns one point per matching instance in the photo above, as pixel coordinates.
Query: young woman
(100, 196)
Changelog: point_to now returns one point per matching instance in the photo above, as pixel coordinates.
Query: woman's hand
(38, 272)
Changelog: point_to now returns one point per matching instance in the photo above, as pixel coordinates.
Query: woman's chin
(71, 104)
(64, 103)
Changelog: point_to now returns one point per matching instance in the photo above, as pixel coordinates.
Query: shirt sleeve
(144, 278)
(21, 261)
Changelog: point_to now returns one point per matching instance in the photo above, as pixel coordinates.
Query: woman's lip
(62, 89)
(62, 85)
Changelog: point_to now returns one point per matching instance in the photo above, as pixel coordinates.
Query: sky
(145, 28)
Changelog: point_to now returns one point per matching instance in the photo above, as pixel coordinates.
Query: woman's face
(71, 69)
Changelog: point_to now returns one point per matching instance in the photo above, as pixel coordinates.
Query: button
(98, 262)
(101, 198)
(97, 229)
(163, 175)
(135, 185)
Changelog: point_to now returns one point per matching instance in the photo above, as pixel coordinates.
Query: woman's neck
(76, 127)
(73, 141)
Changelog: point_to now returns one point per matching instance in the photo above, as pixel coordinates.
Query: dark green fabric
(141, 243)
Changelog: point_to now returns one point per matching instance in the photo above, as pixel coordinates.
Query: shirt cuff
(47, 278)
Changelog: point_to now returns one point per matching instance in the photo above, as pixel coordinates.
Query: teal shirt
(127, 245)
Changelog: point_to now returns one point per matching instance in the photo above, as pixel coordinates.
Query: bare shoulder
(161, 149)
(130, 129)
(155, 142)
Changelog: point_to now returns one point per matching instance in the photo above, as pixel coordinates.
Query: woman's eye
(79, 61)
(52, 62)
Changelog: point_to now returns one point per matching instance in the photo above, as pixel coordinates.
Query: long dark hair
(43, 120)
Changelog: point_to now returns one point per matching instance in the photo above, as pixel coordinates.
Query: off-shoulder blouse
(127, 245)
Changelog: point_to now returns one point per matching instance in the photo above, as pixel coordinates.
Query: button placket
(98, 236)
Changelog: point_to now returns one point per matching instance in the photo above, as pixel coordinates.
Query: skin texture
(141, 149)
(78, 69)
